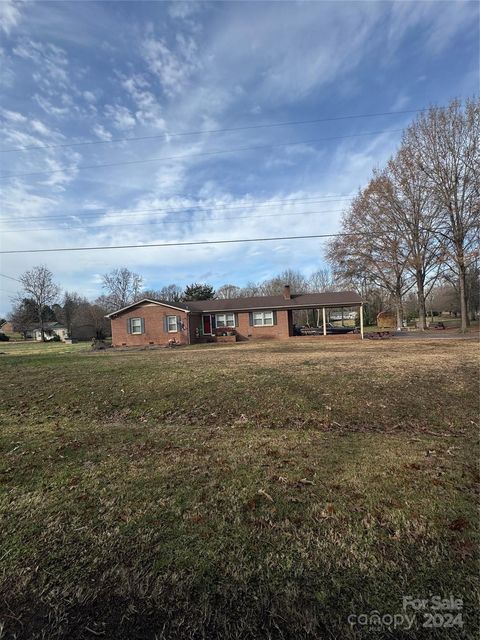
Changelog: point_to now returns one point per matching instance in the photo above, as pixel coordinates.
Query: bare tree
(169, 293)
(94, 313)
(371, 252)
(274, 286)
(122, 286)
(38, 285)
(228, 291)
(446, 147)
(22, 316)
(69, 309)
(251, 289)
(410, 212)
(320, 281)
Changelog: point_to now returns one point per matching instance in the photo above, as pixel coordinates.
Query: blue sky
(75, 72)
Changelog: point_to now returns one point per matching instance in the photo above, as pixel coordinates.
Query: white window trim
(132, 330)
(168, 324)
(264, 316)
(226, 317)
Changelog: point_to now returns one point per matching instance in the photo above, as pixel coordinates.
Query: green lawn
(236, 491)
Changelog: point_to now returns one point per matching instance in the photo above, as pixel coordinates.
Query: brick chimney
(286, 292)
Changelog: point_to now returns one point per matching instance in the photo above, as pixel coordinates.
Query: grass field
(244, 491)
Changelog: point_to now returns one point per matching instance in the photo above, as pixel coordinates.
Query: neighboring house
(50, 329)
(348, 315)
(6, 327)
(151, 322)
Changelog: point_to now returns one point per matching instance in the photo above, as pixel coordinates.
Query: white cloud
(89, 96)
(49, 108)
(121, 118)
(39, 127)
(148, 110)
(10, 15)
(441, 22)
(172, 68)
(7, 75)
(101, 132)
(183, 10)
(13, 116)
(52, 60)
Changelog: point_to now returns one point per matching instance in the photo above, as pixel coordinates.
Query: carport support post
(361, 321)
(324, 318)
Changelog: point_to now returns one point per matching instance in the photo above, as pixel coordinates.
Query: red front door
(207, 325)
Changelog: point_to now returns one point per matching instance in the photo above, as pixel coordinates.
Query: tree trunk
(399, 316)
(399, 303)
(462, 281)
(40, 320)
(422, 307)
(399, 312)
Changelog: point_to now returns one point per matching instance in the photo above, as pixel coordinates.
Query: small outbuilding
(386, 320)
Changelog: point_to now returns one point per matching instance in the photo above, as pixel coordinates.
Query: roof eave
(309, 305)
(134, 304)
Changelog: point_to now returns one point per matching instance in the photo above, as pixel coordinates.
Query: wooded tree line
(319, 281)
(415, 226)
(41, 300)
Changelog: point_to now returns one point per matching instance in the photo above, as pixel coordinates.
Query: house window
(172, 324)
(225, 319)
(136, 325)
(262, 318)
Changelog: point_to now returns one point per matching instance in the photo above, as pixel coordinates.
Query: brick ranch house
(153, 322)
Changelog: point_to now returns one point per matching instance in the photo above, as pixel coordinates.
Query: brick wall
(279, 330)
(154, 334)
(153, 317)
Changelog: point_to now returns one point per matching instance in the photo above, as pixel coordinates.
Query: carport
(343, 303)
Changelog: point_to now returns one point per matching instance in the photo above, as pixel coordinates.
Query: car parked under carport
(330, 329)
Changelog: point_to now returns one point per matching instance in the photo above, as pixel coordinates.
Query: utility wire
(167, 135)
(199, 209)
(178, 244)
(184, 221)
(193, 155)
(9, 277)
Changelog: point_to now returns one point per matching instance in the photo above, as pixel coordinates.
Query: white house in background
(347, 315)
(50, 329)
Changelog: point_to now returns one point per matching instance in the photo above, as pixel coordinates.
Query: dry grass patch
(253, 491)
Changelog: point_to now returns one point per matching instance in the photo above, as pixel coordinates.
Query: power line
(193, 155)
(9, 277)
(144, 224)
(200, 209)
(203, 131)
(178, 244)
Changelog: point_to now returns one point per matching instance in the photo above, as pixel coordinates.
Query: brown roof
(302, 300)
(299, 301)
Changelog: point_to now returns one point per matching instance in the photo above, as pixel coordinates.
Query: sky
(172, 75)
